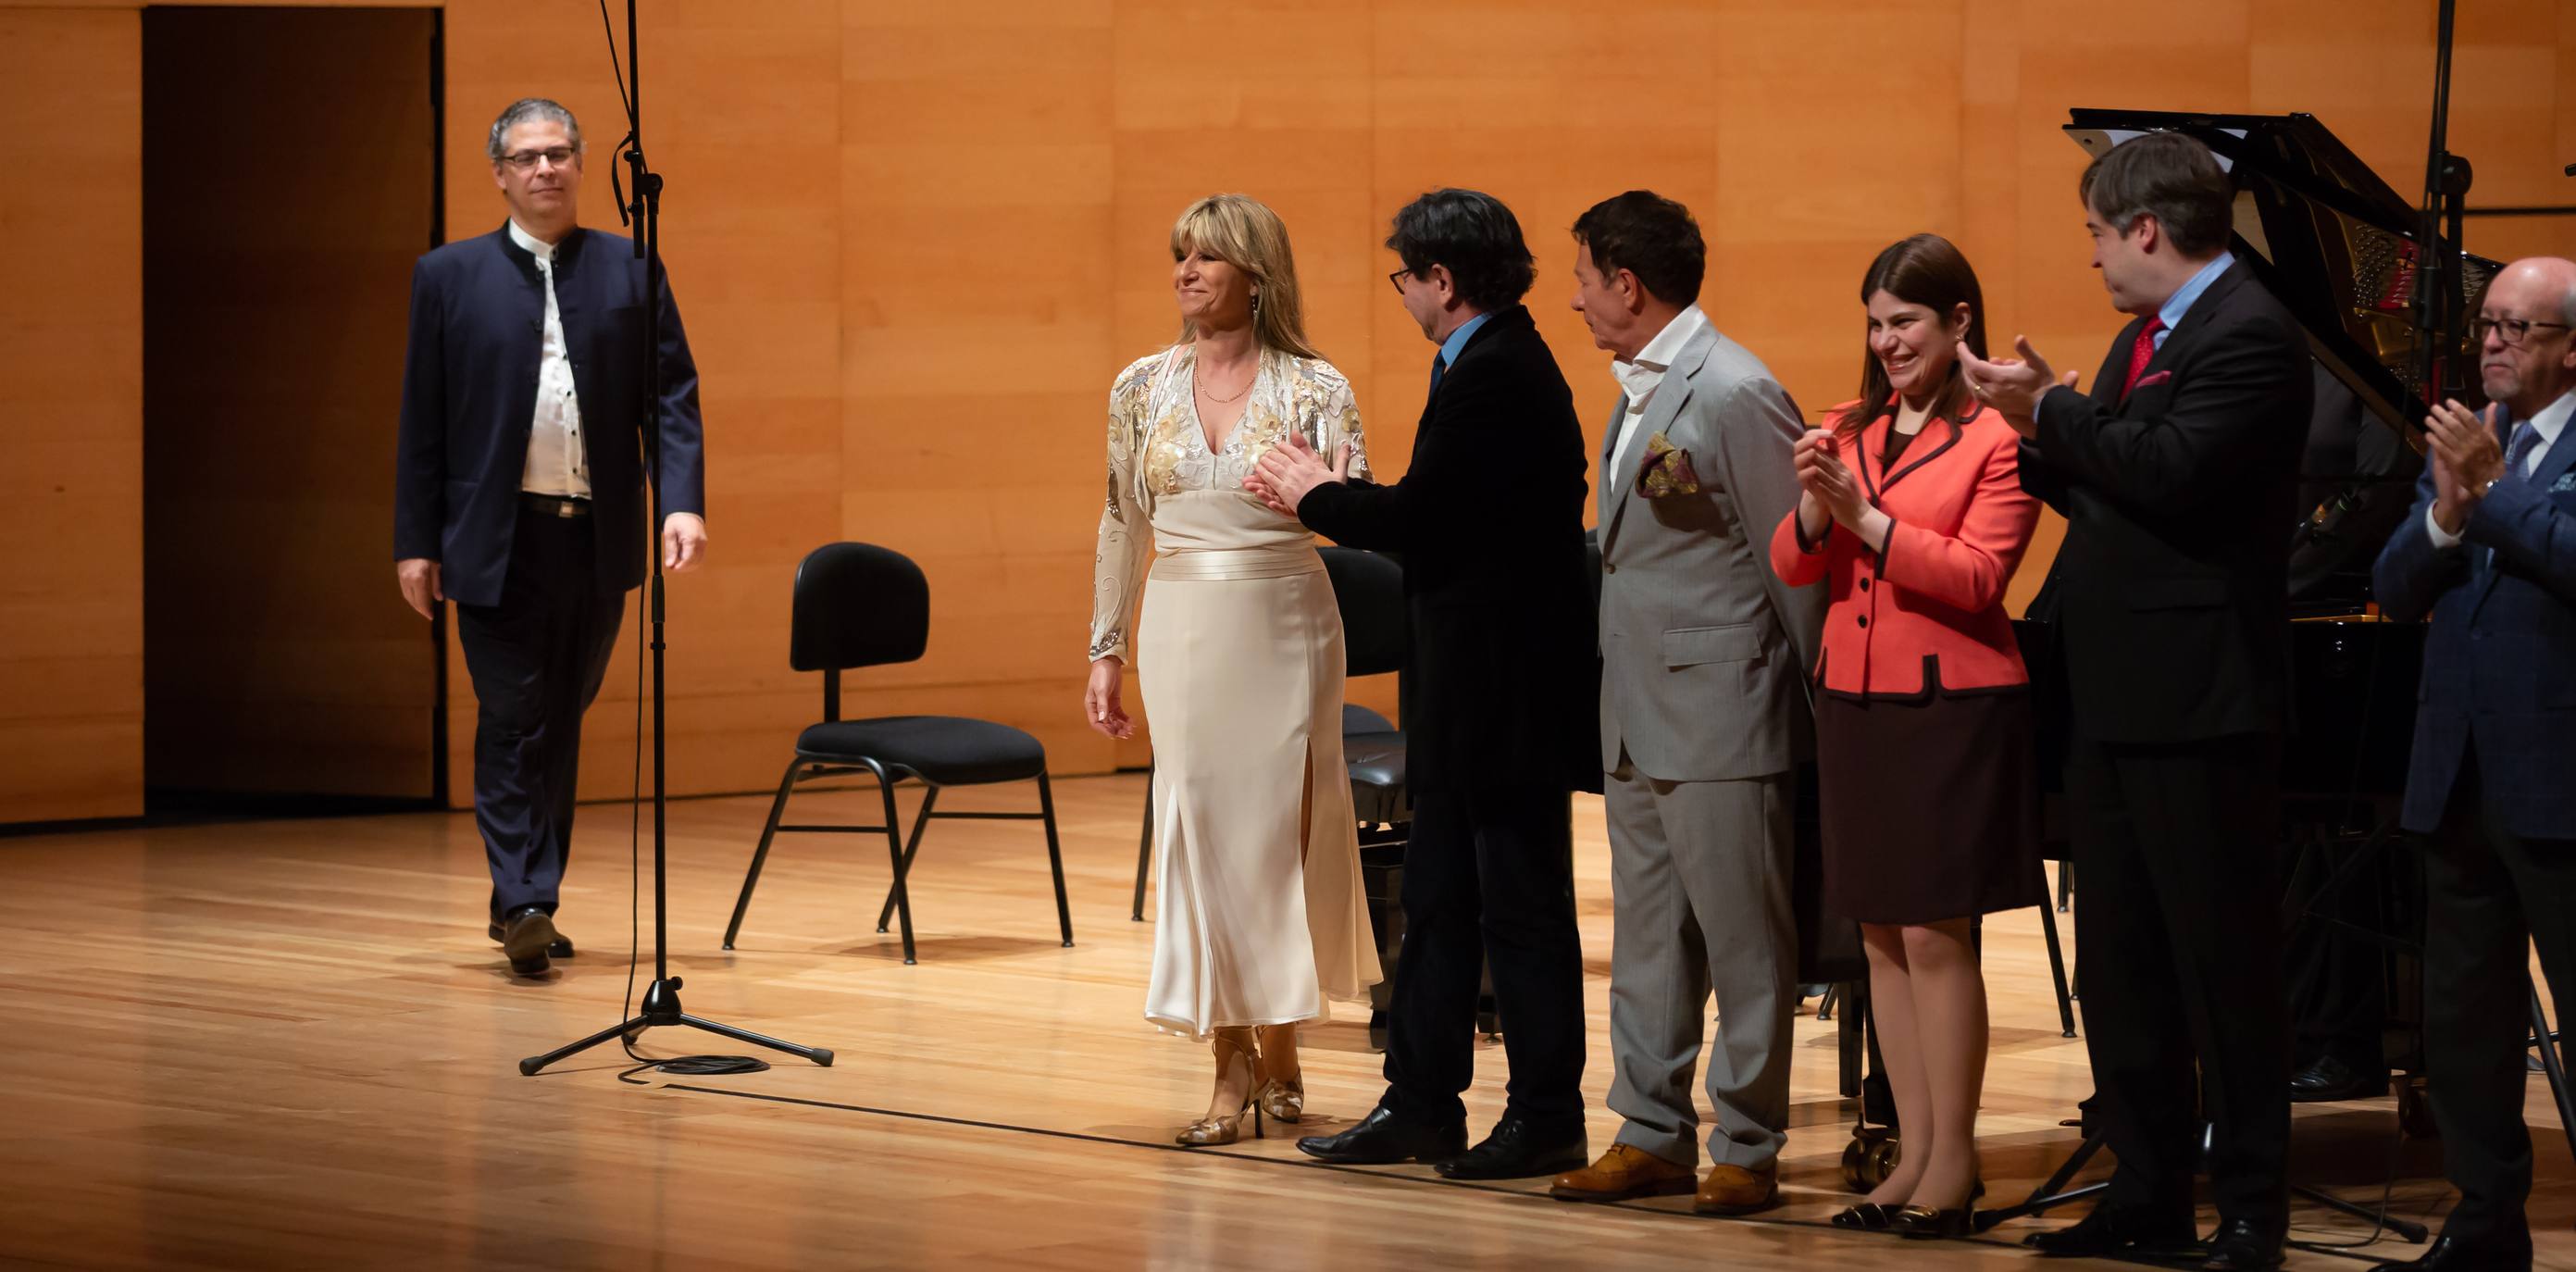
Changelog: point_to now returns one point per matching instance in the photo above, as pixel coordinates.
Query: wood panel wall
(914, 242)
(71, 413)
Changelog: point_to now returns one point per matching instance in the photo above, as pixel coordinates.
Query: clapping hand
(2013, 386)
(2461, 446)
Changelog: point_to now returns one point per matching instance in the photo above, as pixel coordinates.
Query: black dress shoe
(1520, 1148)
(2243, 1245)
(2447, 1255)
(526, 934)
(1382, 1138)
(2113, 1230)
(562, 948)
(2330, 1079)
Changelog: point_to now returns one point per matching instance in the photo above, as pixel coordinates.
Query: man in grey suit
(1703, 710)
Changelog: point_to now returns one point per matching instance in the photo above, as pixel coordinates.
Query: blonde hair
(1245, 233)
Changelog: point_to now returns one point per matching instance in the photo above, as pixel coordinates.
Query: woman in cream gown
(1259, 917)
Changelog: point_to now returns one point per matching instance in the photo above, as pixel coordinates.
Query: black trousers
(536, 658)
(2178, 930)
(2493, 896)
(1488, 880)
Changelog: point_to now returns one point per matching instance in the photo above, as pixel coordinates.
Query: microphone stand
(662, 998)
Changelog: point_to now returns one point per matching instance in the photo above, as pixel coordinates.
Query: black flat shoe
(562, 948)
(1520, 1149)
(1926, 1223)
(2447, 1255)
(1382, 1139)
(2328, 1079)
(1868, 1216)
(2114, 1230)
(2246, 1245)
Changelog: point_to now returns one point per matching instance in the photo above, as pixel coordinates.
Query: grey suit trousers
(1700, 872)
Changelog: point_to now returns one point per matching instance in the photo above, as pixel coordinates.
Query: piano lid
(2327, 235)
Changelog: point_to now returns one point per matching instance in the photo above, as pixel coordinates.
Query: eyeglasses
(2512, 331)
(1396, 280)
(523, 160)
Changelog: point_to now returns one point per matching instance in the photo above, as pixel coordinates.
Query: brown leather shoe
(1625, 1171)
(1738, 1190)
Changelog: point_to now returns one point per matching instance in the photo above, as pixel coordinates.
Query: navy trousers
(536, 658)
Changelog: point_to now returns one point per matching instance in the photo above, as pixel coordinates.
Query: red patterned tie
(2141, 353)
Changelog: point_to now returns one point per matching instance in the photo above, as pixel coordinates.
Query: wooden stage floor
(289, 1044)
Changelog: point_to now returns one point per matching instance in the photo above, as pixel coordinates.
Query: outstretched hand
(1287, 471)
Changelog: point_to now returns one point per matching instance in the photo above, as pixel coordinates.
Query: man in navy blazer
(519, 491)
(2489, 552)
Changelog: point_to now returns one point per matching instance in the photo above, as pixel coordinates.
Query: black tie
(1439, 367)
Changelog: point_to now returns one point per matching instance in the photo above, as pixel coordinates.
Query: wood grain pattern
(289, 1044)
(71, 413)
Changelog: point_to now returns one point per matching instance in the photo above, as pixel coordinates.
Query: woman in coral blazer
(1913, 515)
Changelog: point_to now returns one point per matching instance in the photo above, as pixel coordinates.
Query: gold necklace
(1202, 389)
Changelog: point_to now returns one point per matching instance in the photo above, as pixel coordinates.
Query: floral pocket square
(1667, 470)
(2566, 482)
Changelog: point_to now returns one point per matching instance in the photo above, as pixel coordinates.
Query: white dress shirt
(2549, 423)
(1639, 378)
(558, 463)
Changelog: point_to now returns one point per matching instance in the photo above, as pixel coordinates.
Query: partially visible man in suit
(1498, 729)
(519, 491)
(1703, 649)
(2178, 476)
(2490, 554)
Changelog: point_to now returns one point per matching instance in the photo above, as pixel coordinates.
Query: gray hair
(533, 108)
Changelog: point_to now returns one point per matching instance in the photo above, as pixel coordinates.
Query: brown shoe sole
(1660, 1188)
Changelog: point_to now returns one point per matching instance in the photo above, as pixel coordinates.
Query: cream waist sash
(1273, 561)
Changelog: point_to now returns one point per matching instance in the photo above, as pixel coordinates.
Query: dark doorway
(291, 176)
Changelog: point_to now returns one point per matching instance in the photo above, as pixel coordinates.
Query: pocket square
(2158, 378)
(1667, 470)
(2565, 482)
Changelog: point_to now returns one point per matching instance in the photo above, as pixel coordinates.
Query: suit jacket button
(1864, 584)
(1864, 620)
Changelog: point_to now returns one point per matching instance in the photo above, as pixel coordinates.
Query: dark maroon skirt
(1931, 806)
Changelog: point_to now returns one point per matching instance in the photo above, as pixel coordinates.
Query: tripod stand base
(2412, 1232)
(662, 1007)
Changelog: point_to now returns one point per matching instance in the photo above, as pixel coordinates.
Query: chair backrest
(857, 605)
(1369, 590)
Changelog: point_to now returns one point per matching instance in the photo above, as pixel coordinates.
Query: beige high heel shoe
(1210, 1132)
(1284, 1101)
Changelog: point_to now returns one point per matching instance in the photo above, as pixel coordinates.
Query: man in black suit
(1500, 727)
(519, 491)
(2178, 476)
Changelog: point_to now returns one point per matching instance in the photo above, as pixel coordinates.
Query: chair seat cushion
(944, 750)
(1376, 764)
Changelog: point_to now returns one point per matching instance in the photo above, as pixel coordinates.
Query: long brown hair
(1922, 270)
(1245, 233)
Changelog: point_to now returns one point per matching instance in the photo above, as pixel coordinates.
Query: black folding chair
(859, 605)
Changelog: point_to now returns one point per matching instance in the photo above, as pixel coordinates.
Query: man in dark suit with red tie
(2489, 556)
(2178, 476)
(519, 491)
